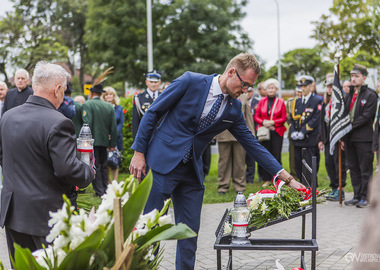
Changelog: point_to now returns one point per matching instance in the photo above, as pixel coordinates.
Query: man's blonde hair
(244, 61)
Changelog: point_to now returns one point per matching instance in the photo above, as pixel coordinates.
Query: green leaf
(24, 259)
(79, 258)
(131, 213)
(176, 232)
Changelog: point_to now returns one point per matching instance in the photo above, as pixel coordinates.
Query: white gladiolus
(255, 202)
(264, 208)
(69, 230)
(163, 220)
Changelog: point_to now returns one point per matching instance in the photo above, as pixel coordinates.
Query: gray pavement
(338, 233)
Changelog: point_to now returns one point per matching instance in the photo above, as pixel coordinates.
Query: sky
(295, 25)
(261, 24)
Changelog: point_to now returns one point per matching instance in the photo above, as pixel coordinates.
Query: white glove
(301, 136)
(294, 135)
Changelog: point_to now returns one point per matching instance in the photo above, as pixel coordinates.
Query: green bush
(127, 152)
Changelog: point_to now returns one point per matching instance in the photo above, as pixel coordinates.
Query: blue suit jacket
(184, 100)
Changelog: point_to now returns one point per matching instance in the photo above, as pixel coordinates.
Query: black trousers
(309, 153)
(332, 166)
(31, 242)
(274, 146)
(101, 179)
(360, 162)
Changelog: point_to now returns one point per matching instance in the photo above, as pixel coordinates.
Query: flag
(340, 123)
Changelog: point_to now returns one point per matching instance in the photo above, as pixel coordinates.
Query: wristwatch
(288, 180)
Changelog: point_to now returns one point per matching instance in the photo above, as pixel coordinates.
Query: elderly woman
(271, 114)
(110, 96)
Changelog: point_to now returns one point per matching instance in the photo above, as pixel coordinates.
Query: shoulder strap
(274, 107)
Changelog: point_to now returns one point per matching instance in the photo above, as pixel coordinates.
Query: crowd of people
(309, 116)
(172, 131)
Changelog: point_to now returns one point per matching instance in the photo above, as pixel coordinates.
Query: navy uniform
(305, 127)
(67, 107)
(142, 101)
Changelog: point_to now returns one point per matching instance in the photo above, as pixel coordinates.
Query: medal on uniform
(303, 116)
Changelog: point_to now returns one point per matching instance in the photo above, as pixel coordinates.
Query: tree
(351, 26)
(197, 35)
(299, 62)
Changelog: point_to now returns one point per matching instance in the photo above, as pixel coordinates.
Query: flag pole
(340, 152)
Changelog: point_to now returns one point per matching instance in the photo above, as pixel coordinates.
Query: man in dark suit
(38, 155)
(67, 107)
(18, 95)
(100, 116)
(197, 108)
(361, 103)
(305, 125)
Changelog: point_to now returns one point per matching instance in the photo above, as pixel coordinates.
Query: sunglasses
(244, 85)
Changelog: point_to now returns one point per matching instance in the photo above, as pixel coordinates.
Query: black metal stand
(224, 242)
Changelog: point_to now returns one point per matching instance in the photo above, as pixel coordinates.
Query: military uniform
(142, 101)
(100, 116)
(305, 122)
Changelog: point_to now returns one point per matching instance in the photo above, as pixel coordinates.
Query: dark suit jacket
(15, 98)
(184, 100)
(38, 155)
(365, 110)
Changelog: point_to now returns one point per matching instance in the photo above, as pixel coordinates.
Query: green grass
(89, 199)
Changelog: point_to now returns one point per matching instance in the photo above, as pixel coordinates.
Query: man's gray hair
(22, 71)
(47, 73)
(4, 84)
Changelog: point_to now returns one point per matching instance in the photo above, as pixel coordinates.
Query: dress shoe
(362, 204)
(351, 202)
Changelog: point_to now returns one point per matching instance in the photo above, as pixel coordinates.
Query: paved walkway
(338, 233)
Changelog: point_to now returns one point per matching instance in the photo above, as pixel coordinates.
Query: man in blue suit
(198, 107)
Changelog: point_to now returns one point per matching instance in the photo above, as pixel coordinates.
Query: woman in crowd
(110, 96)
(271, 114)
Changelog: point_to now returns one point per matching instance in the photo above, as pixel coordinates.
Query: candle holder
(85, 146)
(240, 217)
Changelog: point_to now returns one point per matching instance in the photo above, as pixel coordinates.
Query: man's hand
(138, 165)
(293, 184)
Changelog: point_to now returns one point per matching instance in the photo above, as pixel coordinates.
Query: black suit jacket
(38, 155)
(365, 110)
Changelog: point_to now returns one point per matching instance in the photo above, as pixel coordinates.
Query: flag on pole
(340, 123)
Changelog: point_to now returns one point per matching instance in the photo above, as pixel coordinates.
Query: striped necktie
(205, 122)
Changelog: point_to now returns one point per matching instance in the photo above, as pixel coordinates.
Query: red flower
(124, 111)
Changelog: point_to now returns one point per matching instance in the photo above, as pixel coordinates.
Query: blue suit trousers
(182, 185)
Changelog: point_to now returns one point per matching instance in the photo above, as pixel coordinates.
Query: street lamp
(149, 34)
(279, 52)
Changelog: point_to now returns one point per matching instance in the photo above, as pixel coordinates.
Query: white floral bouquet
(83, 240)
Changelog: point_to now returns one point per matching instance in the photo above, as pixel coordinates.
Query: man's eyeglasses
(244, 85)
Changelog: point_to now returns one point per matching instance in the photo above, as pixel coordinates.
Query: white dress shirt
(151, 93)
(213, 94)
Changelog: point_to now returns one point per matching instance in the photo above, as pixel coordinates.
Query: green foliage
(350, 26)
(299, 62)
(127, 152)
(360, 57)
(184, 33)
